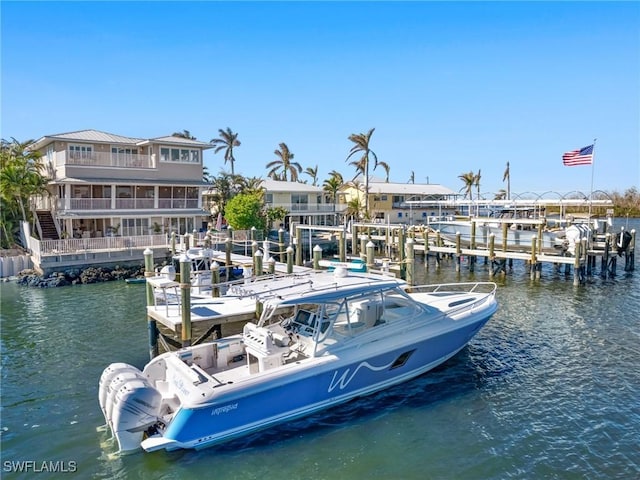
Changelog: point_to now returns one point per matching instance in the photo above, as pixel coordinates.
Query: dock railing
(44, 248)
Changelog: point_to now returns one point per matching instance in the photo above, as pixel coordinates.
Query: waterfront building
(409, 203)
(102, 184)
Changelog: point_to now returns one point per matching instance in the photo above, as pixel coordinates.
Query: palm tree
(223, 186)
(184, 134)
(206, 177)
(507, 177)
(412, 177)
(252, 185)
(337, 175)
(332, 185)
(386, 168)
(469, 180)
(226, 141)
(361, 145)
(284, 164)
(476, 182)
(313, 173)
(21, 177)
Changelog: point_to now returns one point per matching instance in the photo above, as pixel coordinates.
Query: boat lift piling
(370, 248)
(342, 246)
(317, 256)
(152, 325)
(228, 245)
(185, 295)
(290, 253)
(458, 251)
(281, 250)
(472, 258)
(410, 261)
(215, 279)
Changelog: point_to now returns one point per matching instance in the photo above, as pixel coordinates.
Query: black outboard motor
(623, 239)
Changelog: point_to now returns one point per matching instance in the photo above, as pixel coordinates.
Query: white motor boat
(323, 342)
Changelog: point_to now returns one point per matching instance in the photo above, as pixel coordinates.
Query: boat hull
(551, 241)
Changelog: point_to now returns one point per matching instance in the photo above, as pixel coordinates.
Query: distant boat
(318, 344)
(521, 223)
(135, 280)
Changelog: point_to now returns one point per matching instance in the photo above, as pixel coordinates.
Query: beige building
(410, 203)
(102, 184)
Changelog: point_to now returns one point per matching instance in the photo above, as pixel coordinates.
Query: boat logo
(343, 381)
(225, 409)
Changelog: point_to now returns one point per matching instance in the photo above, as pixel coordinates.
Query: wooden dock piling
(185, 296)
(151, 322)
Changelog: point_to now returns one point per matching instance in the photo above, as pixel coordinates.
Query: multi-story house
(410, 203)
(306, 204)
(103, 184)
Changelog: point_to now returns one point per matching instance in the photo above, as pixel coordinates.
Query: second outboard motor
(623, 239)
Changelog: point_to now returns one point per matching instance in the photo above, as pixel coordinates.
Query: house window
(135, 226)
(399, 214)
(117, 152)
(179, 155)
(383, 198)
(80, 151)
(299, 202)
(268, 198)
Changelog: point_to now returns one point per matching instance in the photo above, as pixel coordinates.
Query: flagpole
(593, 155)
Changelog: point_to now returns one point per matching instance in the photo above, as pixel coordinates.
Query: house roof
(273, 186)
(390, 188)
(96, 136)
(173, 140)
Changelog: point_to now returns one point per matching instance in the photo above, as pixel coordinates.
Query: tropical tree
(22, 176)
(226, 141)
(223, 188)
(245, 211)
(500, 194)
(336, 174)
(361, 146)
(355, 208)
(184, 134)
(386, 168)
(284, 165)
(313, 173)
(469, 180)
(275, 213)
(412, 177)
(331, 186)
(252, 185)
(476, 182)
(206, 177)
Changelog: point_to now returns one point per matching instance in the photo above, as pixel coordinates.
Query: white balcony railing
(41, 248)
(310, 207)
(127, 203)
(105, 159)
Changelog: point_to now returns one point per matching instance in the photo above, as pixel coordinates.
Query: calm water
(550, 388)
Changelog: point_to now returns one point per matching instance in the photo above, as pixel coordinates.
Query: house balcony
(319, 208)
(105, 159)
(89, 204)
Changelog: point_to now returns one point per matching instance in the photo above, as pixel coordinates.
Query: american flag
(584, 156)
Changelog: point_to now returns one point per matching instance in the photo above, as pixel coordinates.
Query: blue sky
(450, 87)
